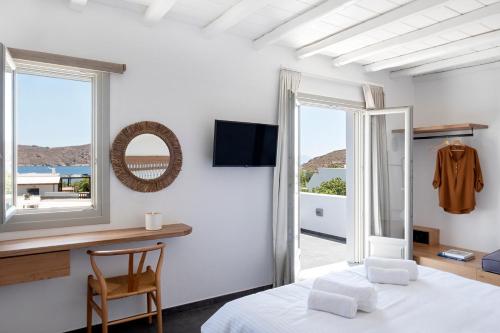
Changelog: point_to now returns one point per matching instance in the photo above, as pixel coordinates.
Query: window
(56, 134)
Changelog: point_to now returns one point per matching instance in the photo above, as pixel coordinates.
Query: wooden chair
(147, 282)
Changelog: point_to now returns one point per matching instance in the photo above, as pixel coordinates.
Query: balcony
(323, 224)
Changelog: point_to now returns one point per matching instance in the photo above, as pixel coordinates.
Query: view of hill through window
(323, 150)
(54, 133)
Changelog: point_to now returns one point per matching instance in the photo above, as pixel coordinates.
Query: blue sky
(53, 112)
(322, 130)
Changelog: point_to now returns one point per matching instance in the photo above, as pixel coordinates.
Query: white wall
(185, 81)
(459, 97)
(334, 220)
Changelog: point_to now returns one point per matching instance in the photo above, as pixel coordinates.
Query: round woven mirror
(146, 156)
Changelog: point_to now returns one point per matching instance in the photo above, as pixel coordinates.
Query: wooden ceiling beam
(371, 24)
(309, 16)
(157, 10)
(416, 35)
(437, 51)
(234, 15)
(447, 64)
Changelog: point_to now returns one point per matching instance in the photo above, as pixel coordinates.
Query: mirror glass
(147, 156)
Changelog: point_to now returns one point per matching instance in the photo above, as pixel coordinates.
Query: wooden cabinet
(426, 255)
(462, 270)
(488, 277)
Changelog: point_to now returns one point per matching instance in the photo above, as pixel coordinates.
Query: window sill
(51, 224)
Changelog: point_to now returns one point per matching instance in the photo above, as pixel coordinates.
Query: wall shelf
(444, 131)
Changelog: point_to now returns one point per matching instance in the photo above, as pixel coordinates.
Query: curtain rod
(333, 79)
(58, 59)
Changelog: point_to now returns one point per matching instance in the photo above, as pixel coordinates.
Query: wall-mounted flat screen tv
(238, 144)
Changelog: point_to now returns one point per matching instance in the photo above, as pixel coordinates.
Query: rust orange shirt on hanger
(458, 176)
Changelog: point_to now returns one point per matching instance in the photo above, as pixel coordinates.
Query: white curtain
(284, 193)
(381, 209)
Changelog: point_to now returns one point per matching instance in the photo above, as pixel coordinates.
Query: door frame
(408, 182)
(357, 230)
(353, 109)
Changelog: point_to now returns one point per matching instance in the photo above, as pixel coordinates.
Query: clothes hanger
(443, 144)
(455, 144)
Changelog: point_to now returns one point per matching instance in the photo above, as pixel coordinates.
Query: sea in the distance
(62, 170)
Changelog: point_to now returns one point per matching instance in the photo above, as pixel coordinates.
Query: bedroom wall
(185, 81)
(470, 95)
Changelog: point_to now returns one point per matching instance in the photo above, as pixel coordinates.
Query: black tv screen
(244, 144)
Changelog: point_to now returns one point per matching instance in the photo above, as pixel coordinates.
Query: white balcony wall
(334, 219)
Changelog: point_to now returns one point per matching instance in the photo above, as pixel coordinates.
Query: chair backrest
(133, 278)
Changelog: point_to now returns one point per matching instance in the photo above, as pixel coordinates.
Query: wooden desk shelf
(426, 255)
(31, 259)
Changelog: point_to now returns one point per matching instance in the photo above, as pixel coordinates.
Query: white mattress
(437, 302)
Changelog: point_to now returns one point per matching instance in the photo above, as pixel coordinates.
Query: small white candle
(154, 221)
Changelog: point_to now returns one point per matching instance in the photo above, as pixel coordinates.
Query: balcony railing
(324, 213)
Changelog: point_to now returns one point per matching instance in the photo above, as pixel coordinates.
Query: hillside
(57, 156)
(325, 161)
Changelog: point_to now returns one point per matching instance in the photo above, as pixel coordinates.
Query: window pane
(54, 124)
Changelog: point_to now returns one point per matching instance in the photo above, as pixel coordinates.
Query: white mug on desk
(154, 221)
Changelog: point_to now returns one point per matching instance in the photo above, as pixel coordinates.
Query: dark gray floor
(188, 321)
(186, 318)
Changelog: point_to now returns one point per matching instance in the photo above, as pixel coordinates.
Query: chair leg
(148, 298)
(158, 311)
(104, 306)
(89, 310)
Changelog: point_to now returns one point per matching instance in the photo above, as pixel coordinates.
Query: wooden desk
(31, 259)
(426, 255)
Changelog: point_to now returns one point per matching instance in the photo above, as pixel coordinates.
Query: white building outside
(325, 174)
(37, 183)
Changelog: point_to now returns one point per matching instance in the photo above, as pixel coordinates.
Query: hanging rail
(459, 135)
(442, 131)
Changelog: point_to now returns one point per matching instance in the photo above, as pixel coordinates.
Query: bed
(437, 302)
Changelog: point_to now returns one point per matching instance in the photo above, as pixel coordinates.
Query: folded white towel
(366, 297)
(409, 265)
(398, 276)
(341, 305)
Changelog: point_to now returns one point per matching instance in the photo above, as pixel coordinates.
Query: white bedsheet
(438, 302)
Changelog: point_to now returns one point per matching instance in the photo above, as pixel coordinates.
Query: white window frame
(99, 212)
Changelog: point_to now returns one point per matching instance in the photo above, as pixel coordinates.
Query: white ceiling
(384, 34)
